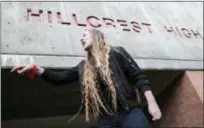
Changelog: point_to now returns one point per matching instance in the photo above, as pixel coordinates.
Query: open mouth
(83, 42)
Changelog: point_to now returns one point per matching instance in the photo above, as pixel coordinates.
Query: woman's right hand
(25, 69)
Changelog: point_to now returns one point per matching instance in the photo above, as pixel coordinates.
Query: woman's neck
(95, 54)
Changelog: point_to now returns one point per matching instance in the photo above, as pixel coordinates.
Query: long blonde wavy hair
(91, 85)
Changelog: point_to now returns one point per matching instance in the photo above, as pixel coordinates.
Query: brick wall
(183, 105)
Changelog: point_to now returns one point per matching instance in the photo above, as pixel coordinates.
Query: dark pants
(132, 119)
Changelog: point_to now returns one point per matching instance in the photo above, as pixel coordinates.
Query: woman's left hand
(154, 110)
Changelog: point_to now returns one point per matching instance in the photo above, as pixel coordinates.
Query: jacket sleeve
(134, 74)
(63, 77)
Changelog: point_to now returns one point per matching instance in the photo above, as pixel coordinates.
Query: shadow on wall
(38, 103)
(181, 103)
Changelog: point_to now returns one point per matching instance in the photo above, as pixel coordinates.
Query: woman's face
(86, 40)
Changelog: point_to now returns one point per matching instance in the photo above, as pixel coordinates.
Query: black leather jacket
(126, 75)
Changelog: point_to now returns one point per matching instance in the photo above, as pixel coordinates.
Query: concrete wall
(183, 103)
(162, 35)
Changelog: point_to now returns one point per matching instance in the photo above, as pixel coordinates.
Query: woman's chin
(86, 48)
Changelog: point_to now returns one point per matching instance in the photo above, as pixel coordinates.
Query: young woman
(109, 80)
